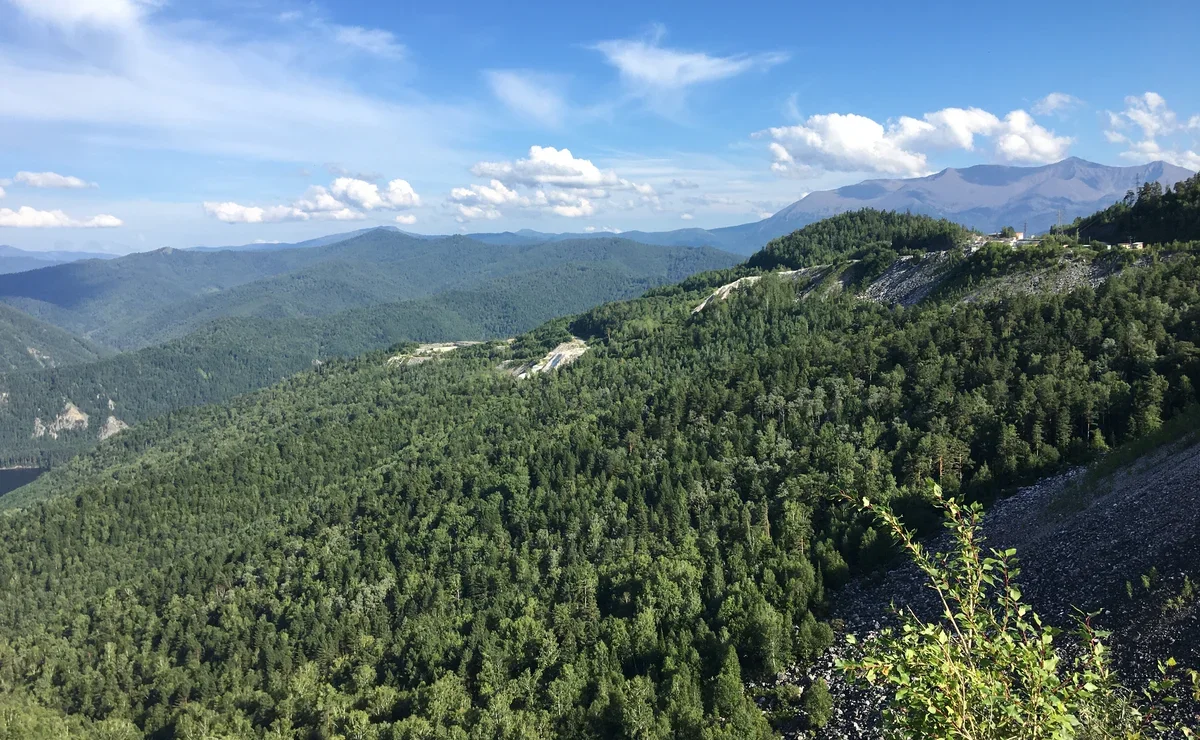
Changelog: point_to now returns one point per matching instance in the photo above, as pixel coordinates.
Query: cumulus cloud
(602, 229)
(686, 216)
(1056, 102)
(51, 180)
(528, 94)
(546, 165)
(1145, 120)
(549, 180)
(407, 219)
(2, 193)
(344, 200)
(367, 195)
(1023, 140)
(847, 142)
(647, 65)
(31, 218)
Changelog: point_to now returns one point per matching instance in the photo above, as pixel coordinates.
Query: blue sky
(134, 124)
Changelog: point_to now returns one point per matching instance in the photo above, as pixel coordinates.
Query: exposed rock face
(41, 357)
(1144, 517)
(909, 279)
(427, 352)
(70, 420)
(112, 426)
(726, 290)
(561, 356)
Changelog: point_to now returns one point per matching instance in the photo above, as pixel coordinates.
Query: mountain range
(647, 542)
(983, 197)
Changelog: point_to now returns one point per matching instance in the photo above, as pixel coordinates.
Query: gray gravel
(1144, 516)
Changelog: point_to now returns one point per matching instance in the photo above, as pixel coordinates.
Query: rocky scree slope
(1145, 521)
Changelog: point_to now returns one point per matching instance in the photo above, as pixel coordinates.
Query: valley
(652, 530)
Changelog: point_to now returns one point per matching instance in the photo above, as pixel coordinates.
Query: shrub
(988, 668)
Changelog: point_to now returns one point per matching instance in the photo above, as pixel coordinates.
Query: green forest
(615, 550)
(1153, 214)
(233, 354)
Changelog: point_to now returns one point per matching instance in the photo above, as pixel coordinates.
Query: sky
(128, 125)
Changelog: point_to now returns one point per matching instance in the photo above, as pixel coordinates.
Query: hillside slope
(144, 299)
(234, 355)
(28, 344)
(607, 550)
(1085, 540)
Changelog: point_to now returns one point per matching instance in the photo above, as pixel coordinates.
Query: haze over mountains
(983, 197)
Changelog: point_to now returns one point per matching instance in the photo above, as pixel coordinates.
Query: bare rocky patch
(72, 419)
(1146, 522)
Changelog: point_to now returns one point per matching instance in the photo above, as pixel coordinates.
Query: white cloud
(83, 12)
(847, 142)
(31, 218)
(1023, 140)
(342, 201)
(118, 76)
(843, 143)
(370, 40)
(602, 229)
(51, 180)
(495, 194)
(476, 213)
(647, 66)
(1150, 114)
(319, 200)
(2, 192)
(407, 219)
(528, 94)
(236, 213)
(684, 184)
(555, 182)
(366, 195)
(549, 166)
(686, 216)
(1056, 102)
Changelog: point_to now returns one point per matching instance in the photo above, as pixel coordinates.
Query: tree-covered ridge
(1152, 214)
(231, 356)
(28, 344)
(608, 551)
(877, 236)
(145, 299)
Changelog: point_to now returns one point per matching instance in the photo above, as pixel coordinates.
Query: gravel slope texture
(1144, 518)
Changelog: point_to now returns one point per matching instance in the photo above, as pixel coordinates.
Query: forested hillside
(144, 299)
(28, 344)
(879, 236)
(612, 550)
(230, 356)
(1152, 214)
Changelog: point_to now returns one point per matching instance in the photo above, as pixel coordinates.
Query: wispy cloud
(531, 95)
(51, 180)
(190, 87)
(648, 65)
(1058, 103)
(375, 41)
